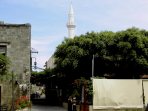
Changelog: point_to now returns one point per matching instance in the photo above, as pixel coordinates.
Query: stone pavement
(47, 108)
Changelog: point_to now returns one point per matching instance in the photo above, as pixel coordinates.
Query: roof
(14, 25)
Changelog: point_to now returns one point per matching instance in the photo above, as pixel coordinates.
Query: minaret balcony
(71, 26)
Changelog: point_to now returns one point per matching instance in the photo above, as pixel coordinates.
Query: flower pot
(23, 103)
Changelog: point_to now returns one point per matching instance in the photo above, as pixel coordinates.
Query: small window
(3, 49)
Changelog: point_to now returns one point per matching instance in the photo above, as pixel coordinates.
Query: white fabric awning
(117, 93)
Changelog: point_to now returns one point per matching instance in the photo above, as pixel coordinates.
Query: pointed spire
(71, 9)
(71, 23)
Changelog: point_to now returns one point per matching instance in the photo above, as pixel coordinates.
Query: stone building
(15, 43)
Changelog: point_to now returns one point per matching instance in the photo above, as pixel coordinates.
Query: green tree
(123, 54)
(128, 53)
(42, 77)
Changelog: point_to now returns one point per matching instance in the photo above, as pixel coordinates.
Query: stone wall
(17, 39)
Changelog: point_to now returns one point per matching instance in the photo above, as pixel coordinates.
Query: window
(3, 49)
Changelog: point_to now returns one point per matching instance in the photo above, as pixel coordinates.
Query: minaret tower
(71, 24)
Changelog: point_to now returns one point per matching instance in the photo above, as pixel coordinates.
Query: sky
(48, 19)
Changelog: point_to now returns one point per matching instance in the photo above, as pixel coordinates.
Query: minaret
(71, 24)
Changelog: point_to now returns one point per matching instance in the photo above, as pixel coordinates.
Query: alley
(47, 108)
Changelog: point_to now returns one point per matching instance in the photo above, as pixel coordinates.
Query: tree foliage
(42, 77)
(3, 64)
(123, 54)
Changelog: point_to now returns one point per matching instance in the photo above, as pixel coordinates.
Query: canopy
(118, 93)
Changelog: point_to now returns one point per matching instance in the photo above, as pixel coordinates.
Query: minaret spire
(71, 23)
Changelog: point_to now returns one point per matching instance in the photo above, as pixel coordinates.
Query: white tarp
(117, 93)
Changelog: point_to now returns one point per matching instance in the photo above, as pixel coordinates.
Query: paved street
(47, 108)
(41, 104)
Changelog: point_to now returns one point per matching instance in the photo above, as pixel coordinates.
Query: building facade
(50, 62)
(15, 43)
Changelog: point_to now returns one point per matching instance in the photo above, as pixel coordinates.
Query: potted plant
(83, 90)
(22, 103)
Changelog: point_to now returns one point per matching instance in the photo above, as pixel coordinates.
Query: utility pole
(28, 74)
(31, 52)
(35, 63)
(93, 65)
(12, 107)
